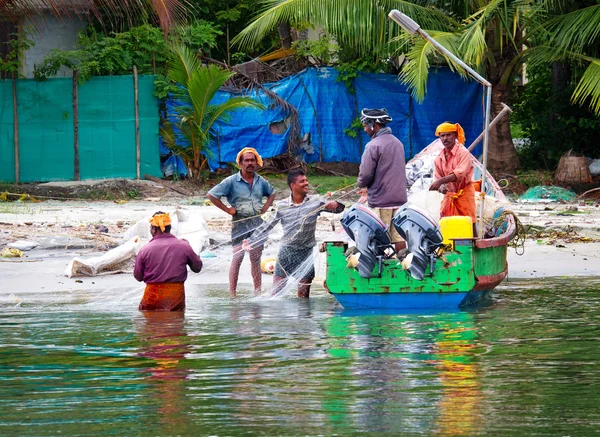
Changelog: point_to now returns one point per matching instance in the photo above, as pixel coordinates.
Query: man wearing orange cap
(245, 191)
(162, 265)
(453, 173)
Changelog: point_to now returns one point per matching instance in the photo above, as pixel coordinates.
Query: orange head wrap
(452, 127)
(160, 221)
(259, 160)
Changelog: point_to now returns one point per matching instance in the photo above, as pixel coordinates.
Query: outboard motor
(370, 235)
(422, 236)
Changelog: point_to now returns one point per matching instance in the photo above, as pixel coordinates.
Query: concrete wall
(51, 33)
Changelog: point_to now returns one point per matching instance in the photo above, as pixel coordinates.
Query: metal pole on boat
(410, 26)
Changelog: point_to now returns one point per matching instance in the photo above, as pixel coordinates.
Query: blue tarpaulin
(326, 107)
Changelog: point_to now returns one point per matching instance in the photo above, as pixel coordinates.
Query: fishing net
(547, 194)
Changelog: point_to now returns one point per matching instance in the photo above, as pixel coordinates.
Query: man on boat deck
(298, 215)
(162, 265)
(453, 173)
(245, 192)
(383, 170)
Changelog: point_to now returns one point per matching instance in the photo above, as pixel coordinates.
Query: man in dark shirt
(162, 265)
(383, 170)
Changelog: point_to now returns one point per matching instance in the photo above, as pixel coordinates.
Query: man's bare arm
(435, 186)
(217, 202)
(268, 203)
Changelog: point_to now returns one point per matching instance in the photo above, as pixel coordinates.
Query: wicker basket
(573, 170)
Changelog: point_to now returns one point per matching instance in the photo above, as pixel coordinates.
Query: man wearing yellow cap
(453, 173)
(245, 191)
(162, 265)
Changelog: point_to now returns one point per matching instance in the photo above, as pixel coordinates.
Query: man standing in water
(245, 192)
(298, 216)
(453, 173)
(383, 170)
(162, 265)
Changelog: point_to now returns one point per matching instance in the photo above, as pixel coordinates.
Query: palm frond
(473, 44)
(575, 31)
(588, 88)
(361, 24)
(203, 85)
(223, 110)
(182, 64)
(416, 72)
(166, 12)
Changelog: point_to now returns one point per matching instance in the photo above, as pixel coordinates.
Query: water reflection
(528, 365)
(164, 342)
(417, 369)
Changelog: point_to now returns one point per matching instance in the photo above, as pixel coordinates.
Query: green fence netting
(106, 129)
(7, 156)
(45, 130)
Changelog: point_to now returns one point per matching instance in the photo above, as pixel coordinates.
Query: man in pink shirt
(162, 265)
(453, 173)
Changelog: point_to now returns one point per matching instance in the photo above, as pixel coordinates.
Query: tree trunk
(561, 74)
(285, 35)
(502, 155)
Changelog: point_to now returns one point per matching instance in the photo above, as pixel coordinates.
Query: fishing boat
(445, 265)
(438, 275)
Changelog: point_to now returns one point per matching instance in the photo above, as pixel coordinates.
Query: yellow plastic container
(456, 227)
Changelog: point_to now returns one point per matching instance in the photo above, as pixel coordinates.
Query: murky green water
(80, 365)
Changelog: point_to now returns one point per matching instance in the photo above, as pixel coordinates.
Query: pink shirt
(458, 161)
(164, 259)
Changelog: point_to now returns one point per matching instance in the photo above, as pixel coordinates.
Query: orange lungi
(165, 296)
(461, 203)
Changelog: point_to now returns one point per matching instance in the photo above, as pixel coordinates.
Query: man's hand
(435, 185)
(231, 211)
(331, 205)
(246, 245)
(363, 195)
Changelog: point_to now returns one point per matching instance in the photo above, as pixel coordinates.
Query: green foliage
(355, 128)
(17, 45)
(200, 36)
(533, 178)
(194, 86)
(231, 15)
(323, 184)
(133, 193)
(348, 71)
(552, 124)
(322, 50)
(143, 46)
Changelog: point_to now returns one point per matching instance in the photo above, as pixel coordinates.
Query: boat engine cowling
(422, 235)
(370, 236)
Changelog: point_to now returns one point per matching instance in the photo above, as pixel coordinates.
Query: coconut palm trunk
(502, 155)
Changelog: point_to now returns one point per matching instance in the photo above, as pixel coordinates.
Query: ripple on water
(88, 363)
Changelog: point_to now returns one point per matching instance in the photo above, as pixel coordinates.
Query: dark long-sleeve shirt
(165, 259)
(383, 172)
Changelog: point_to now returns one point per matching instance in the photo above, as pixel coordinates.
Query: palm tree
(196, 86)
(572, 37)
(487, 34)
(167, 12)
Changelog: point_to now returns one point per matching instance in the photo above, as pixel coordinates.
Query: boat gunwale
(501, 240)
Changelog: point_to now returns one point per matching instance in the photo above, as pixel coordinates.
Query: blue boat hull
(446, 300)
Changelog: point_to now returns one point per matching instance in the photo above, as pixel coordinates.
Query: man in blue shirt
(245, 192)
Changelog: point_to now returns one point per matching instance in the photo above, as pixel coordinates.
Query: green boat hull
(460, 278)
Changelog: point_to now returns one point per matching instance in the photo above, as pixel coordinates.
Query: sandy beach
(567, 243)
